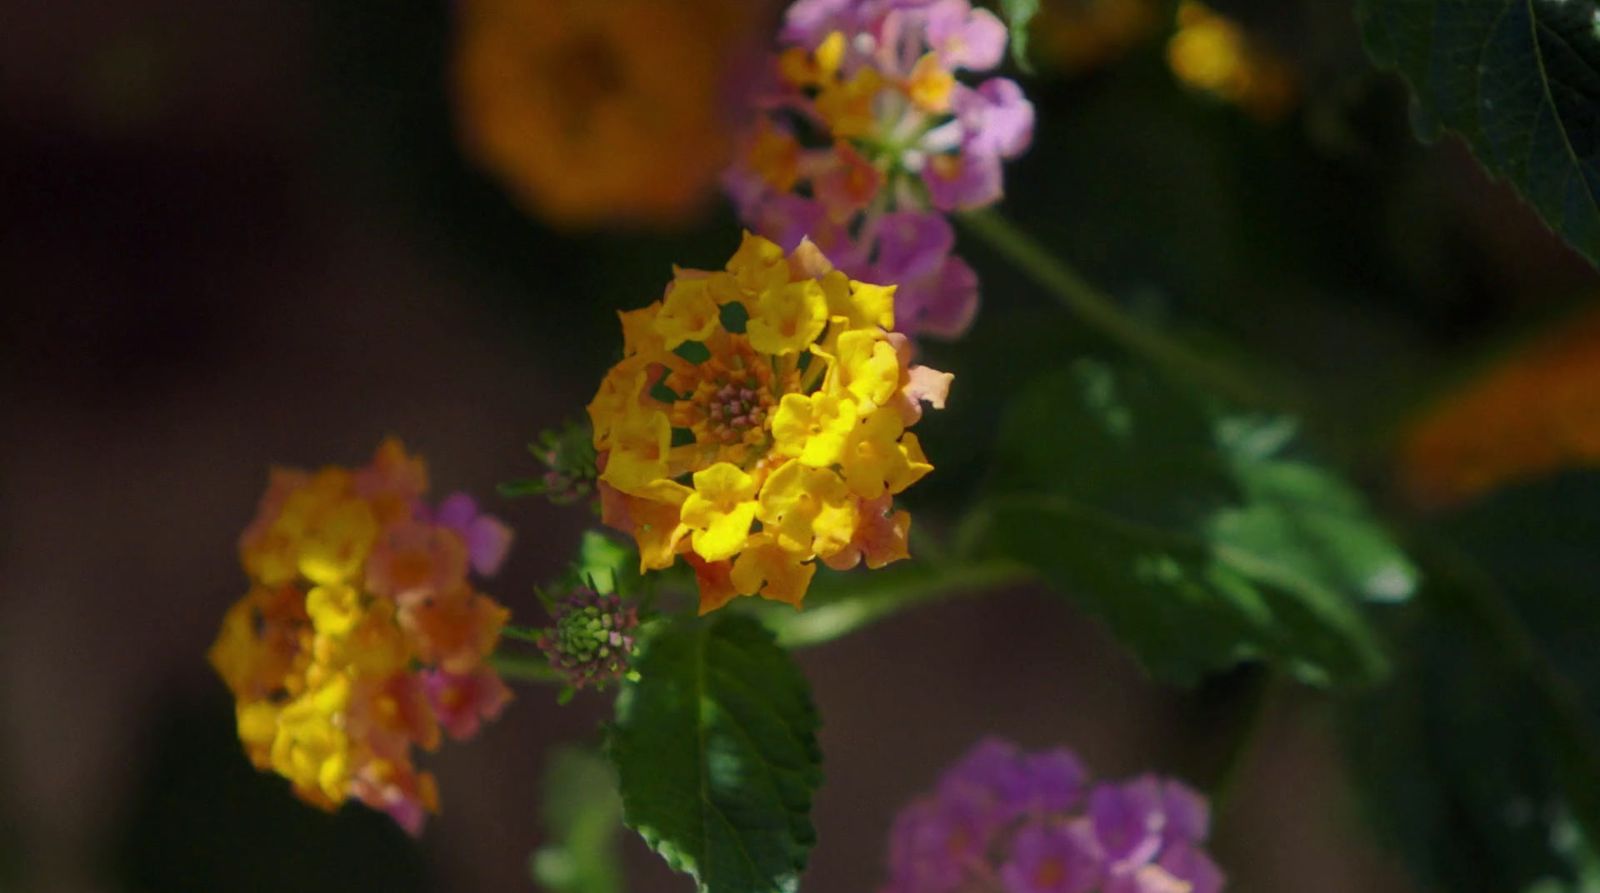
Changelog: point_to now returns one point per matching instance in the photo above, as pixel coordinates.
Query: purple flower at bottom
(937, 846)
(1053, 858)
(1128, 821)
(1187, 814)
(1005, 821)
(486, 538)
(1189, 864)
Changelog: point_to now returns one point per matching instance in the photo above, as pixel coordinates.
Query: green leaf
(1487, 775)
(606, 564)
(1019, 13)
(1520, 80)
(1195, 539)
(582, 814)
(716, 752)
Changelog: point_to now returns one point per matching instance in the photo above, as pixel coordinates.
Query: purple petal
(997, 118)
(457, 511)
(974, 39)
(488, 541)
(1145, 879)
(1188, 815)
(1053, 858)
(1128, 821)
(1057, 779)
(1190, 864)
(963, 182)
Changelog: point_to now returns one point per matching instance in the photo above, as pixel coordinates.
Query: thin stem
(845, 615)
(527, 634)
(1262, 698)
(1098, 310)
(524, 668)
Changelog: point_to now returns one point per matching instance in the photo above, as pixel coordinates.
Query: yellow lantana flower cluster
(361, 634)
(758, 422)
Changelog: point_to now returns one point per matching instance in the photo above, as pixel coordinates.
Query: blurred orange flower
(1535, 412)
(601, 111)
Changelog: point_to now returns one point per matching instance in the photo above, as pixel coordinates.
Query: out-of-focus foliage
(582, 815)
(1080, 35)
(1194, 538)
(1484, 770)
(716, 754)
(1520, 80)
(1019, 15)
(1533, 412)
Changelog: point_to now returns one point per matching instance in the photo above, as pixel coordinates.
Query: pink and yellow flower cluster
(866, 137)
(362, 635)
(758, 423)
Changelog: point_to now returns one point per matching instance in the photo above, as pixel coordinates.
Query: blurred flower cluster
(757, 422)
(866, 138)
(362, 635)
(1212, 54)
(1536, 411)
(602, 112)
(1004, 820)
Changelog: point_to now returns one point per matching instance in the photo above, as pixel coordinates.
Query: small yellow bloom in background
(361, 628)
(593, 113)
(1535, 412)
(775, 439)
(1212, 54)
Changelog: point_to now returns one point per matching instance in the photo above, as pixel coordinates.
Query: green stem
(825, 622)
(524, 667)
(1098, 310)
(1261, 699)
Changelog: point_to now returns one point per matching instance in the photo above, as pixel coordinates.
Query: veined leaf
(1520, 80)
(716, 754)
(1196, 540)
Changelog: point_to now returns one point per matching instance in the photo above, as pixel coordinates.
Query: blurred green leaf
(1194, 539)
(1520, 80)
(1487, 774)
(1019, 13)
(582, 814)
(716, 754)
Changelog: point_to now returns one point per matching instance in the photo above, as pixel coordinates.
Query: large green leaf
(1195, 539)
(716, 754)
(1487, 775)
(1520, 80)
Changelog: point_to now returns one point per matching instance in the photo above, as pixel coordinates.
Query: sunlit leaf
(716, 754)
(1197, 541)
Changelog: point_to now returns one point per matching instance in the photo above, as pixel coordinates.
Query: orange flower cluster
(1536, 412)
(601, 112)
(361, 634)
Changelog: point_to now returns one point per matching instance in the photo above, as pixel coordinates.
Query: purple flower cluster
(865, 138)
(1004, 821)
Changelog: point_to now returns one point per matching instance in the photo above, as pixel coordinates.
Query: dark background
(241, 233)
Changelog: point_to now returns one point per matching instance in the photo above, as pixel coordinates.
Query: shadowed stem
(828, 621)
(524, 667)
(1097, 309)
